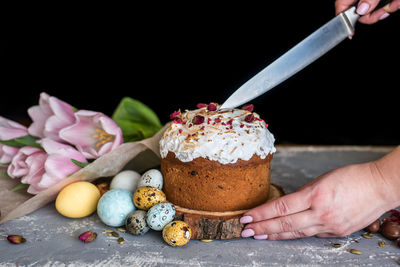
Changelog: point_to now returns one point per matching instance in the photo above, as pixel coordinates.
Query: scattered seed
(382, 244)
(114, 234)
(108, 230)
(109, 234)
(120, 240)
(367, 235)
(355, 251)
(122, 230)
(206, 240)
(336, 245)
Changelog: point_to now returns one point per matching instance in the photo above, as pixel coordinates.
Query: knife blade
(296, 59)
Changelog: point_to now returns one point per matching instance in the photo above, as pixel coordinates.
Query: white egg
(127, 180)
(151, 178)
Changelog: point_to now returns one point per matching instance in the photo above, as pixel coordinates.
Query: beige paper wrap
(138, 156)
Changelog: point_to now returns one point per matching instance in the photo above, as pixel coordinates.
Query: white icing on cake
(223, 136)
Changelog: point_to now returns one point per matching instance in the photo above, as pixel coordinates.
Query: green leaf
(19, 187)
(5, 164)
(136, 120)
(4, 174)
(80, 163)
(22, 141)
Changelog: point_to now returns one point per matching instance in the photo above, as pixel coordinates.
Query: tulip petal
(10, 129)
(94, 134)
(50, 116)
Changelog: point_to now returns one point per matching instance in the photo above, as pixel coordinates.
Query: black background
(172, 57)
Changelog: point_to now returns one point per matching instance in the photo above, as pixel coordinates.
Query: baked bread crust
(207, 185)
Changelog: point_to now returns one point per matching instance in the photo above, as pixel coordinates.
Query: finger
(306, 232)
(392, 6)
(343, 5)
(326, 235)
(288, 204)
(283, 224)
(366, 6)
(381, 13)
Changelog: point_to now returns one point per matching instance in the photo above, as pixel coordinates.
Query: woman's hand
(335, 204)
(365, 8)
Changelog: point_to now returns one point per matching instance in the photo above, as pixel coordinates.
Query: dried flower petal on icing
(198, 119)
(178, 121)
(175, 115)
(201, 105)
(212, 107)
(249, 118)
(248, 107)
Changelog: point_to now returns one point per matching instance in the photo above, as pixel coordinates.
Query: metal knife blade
(297, 58)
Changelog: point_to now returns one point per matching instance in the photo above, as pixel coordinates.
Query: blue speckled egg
(160, 215)
(114, 206)
(135, 222)
(151, 178)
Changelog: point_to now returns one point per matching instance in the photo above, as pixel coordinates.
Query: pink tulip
(28, 163)
(49, 117)
(9, 130)
(42, 169)
(94, 134)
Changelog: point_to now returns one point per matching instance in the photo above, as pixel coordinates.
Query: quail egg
(160, 215)
(152, 178)
(146, 197)
(135, 223)
(176, 233)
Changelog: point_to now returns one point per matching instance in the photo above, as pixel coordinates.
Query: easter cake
(217, 161)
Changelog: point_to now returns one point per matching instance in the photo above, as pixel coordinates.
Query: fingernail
(362, 8)
(384, 16)
(247, 233)
(261, 237)
(246, 219)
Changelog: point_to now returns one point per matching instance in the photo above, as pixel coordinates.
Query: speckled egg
(177, 233)
(114, 206)
(152, 178)
(135, 223)
(146, 197)
(127, 180)
(160, 215)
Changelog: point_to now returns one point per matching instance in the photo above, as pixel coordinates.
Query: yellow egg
(78, 200)
(177, 233)
(146, 197)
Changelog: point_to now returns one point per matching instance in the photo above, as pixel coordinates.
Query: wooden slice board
(218, 225)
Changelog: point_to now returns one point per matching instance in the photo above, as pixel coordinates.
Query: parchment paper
(138, 156)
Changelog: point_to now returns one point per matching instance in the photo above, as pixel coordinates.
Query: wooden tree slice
(218, 225)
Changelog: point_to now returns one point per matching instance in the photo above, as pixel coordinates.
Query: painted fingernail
(247, 233)
(384, 16)
(362, 8)
(261, 237)
(246, 219)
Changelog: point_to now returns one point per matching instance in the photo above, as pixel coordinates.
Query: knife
(297, 58)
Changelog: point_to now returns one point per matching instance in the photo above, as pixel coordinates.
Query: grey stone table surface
(52, 240)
